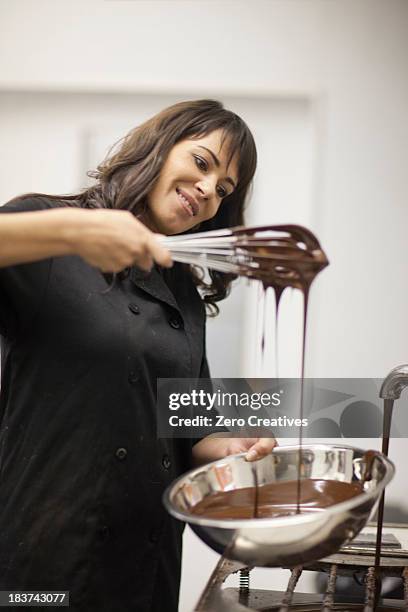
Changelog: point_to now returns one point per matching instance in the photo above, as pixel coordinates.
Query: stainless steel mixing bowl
(284, 541)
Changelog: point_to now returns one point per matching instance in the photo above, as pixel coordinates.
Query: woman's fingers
(152, 252)
(148, 249)
(159, 253)
(144, 262)
(261, 448)
(114, 239)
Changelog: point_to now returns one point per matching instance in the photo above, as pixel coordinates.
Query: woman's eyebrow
(217, 163)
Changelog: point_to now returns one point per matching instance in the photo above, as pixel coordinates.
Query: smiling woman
(196, 151)
(190, 149)
(82, 470)
(192, 185)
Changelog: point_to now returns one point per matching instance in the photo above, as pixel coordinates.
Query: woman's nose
(205, 188)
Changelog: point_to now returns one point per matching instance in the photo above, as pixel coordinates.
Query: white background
(322, 83)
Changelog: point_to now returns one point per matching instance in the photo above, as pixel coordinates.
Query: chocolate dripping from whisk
(292, 267)
(292, 260)
(305, 287)
(276, 294)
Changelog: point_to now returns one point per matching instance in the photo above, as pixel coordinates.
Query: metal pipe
(287, 598)
(370, 593)
(390, 390)
(394, 383)
(328, 601)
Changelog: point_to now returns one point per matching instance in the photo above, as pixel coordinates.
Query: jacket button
(134, 308)
(121, 454)
(154, 536)
(166, 463)
(104, 532)
(175, 323)
(133, 377)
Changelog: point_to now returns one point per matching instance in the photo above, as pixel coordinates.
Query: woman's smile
(188, 202)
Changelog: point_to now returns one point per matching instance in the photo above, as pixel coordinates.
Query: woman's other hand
(215, 447)
(113, 240)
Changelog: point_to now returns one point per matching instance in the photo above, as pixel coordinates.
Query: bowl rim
(288, 521)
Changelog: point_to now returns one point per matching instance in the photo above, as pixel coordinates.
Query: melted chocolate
(256, 491)
(277, 499)
(292, 258)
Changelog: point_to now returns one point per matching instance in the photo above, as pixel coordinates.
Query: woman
(82, 471)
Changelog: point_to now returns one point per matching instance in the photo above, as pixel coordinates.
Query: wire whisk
(278, 255)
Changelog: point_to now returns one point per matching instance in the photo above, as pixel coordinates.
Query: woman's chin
(175, 226)
(169, 225)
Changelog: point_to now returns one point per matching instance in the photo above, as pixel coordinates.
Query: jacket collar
(154, 284)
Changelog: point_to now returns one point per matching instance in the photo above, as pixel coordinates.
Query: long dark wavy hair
(128, 173)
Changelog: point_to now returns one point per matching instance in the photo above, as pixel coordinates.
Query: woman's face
(192, 184)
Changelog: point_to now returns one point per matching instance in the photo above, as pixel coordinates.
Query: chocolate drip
(299, 481)
(263, 329)
(256, 491)
(280, 256)
(292, 257)
(301, 260)
(278, 295)
(292, 260)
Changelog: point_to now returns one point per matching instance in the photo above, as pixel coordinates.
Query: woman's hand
(113, 240)
(107, 239)
(218, 446)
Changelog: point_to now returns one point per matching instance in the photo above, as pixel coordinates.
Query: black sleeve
(22, 286)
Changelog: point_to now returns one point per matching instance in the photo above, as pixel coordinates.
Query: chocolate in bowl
(283, 540)
(277, 499)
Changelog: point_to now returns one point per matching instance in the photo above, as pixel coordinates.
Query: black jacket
(81, 469)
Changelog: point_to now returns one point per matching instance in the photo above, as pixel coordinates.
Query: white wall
(346, 58)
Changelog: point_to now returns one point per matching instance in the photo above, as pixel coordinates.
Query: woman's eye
(221, 192)
(201, 163)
